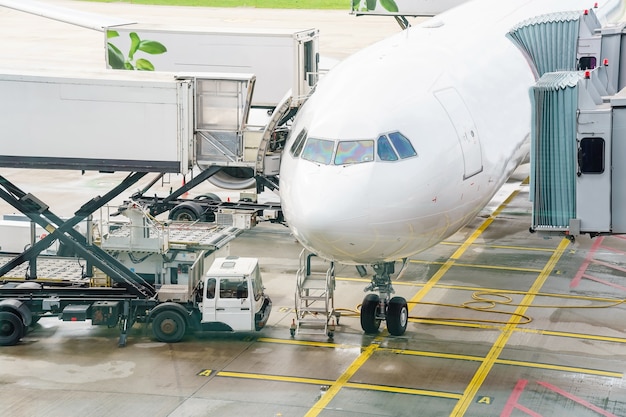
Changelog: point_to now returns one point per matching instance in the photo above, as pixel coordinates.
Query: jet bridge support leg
(382, 306)
(64, 231)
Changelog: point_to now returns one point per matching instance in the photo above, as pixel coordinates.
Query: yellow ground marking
(328, 382)
(278, 378)
(398, 390)
(342, 380)
(306, 343)
(479, 266)
(524, 364)
(524, 248)
(597, 338)
(491, 358)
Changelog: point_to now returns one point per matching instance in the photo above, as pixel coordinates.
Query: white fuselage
(457, 88)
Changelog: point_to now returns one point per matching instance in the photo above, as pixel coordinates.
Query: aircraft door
(466, 130)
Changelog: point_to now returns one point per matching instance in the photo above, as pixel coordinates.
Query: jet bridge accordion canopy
(551, 42)
(553, 149)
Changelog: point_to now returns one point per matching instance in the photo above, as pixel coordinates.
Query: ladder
(315, 304)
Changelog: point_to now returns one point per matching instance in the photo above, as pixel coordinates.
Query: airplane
(402, 144)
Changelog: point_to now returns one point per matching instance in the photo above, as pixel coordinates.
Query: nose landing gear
(376, 308)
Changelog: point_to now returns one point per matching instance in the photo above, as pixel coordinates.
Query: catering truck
(228, 297)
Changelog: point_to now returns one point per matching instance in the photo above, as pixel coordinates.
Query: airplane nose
(336, 216)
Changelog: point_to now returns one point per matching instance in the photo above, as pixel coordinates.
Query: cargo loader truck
(228, 297)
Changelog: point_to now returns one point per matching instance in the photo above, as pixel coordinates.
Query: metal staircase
(315, 304)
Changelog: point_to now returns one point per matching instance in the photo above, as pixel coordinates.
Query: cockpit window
(385, 151)
(354, 152)
(319, 150)
(296, 148)
(402, 145)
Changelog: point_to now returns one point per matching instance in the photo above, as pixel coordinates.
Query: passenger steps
(315, 304)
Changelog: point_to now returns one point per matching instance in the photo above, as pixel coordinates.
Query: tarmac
(503, 322)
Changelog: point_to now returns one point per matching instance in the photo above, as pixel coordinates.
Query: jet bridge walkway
(579, 123)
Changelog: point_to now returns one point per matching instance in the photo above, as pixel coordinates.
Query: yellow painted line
(479, 266)
(524, 364)
(456, 324)
(437, 355)
(523, 248)
(574, 335)
(304, 343)
(278, 378)
(555, 333)
(327, 382)
(341, 381)
(398, 390)
(560, 368)
(484, 369)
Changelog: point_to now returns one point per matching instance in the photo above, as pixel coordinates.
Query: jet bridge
(125, 121)
(577, 140)
(117, 121)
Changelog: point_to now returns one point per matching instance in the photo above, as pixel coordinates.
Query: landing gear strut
(376, 308)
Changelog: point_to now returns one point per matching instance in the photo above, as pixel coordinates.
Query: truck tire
(188, 211)
(11, 328)
(169, 327)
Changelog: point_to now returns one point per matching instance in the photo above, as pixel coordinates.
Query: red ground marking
(586, 262)
(513, 401)
(576, 399)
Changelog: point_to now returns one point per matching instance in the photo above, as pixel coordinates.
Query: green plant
(117, 60)
(368, 5)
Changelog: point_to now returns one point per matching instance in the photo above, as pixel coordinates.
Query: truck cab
(232, 297)
(229, 297)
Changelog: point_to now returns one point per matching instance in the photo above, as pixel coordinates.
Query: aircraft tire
(11, 328)
(169, 327)
(369, 322)
(397, 316)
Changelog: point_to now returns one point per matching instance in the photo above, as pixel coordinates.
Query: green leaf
(112, 34)
(389, 5)
(144, 65)
(134, 45)
(371, 4)
(152, 47)
(116, 57)
(128, 66)
(355, 4)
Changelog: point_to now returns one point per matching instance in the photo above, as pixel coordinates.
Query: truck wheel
(189, 211)
(183, 214)
(168, 327)
(369, 322)
(11, 328)
(397, 316)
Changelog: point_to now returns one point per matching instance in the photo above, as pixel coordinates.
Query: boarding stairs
(315, 288)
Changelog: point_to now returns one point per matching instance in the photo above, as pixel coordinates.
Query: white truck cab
(229, 297)
(233, 295)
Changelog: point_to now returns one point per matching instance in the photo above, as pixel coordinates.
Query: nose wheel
(376, 308)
